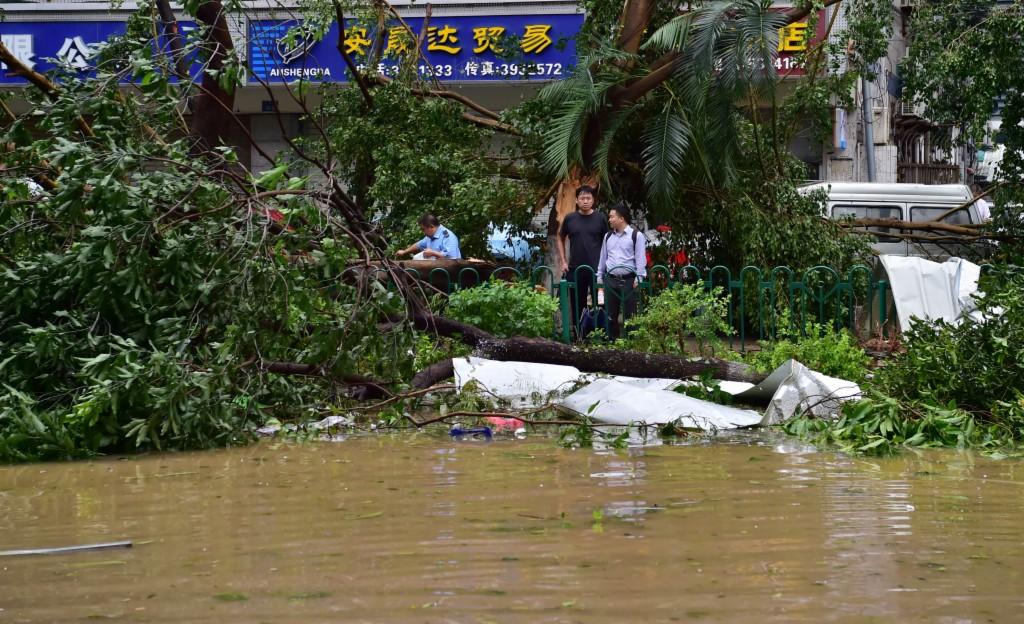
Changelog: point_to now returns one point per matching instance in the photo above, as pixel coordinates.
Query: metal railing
(758, 300)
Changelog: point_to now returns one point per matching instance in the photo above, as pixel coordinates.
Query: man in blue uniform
(437, 242)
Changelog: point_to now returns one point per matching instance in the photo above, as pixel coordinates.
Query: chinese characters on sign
(72, 45)
(20, 46)
(531, 47)
(793, 40)
(75, 53)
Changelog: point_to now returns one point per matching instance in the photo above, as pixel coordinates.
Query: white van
(906, 202)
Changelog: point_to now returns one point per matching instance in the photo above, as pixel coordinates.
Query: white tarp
(790, 388)
(617, 403)
(522, 382)
(931, 290)
(803, 390)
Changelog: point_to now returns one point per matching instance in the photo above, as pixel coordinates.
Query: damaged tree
(156, 294)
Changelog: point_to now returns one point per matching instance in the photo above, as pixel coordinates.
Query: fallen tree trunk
(613, 362)
(543, 351)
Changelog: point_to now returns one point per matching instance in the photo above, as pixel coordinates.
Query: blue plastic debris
(472, 433)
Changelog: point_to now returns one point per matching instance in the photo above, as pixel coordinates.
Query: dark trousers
(585, 281)
(619, 295)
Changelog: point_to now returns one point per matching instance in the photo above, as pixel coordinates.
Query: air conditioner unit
(907, 108)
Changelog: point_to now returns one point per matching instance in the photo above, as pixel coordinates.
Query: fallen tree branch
(970, 201)
(433, 374)
(16, 68)
(357, 76)
(375, 388)
(405, 395)
(609, 361)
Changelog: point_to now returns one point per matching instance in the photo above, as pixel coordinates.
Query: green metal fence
(759, 301)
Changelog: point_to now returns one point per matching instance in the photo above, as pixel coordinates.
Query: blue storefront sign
(42, 45)
(476, 48)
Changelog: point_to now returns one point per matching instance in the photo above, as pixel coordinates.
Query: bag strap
(609, 234)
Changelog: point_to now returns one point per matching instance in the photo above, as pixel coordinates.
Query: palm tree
(714, 64)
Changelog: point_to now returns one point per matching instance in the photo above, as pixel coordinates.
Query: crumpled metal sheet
(931, 290)
(617, 403)
(799, 389)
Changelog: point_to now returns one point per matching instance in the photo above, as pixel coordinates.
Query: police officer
(437, 242)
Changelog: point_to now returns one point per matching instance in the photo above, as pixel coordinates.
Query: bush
(834, 353)
(976, 363)
(956, 385)
(505, 309)
(679, 316)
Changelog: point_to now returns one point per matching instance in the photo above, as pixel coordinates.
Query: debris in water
(64, 549)
(471, 433)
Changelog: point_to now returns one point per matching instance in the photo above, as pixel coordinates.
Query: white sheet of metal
(617, 403)
(931, 290)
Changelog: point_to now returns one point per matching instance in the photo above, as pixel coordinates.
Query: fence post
(563, 305)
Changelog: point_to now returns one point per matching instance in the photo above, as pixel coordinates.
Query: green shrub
(678, 317)
(956, 385)
(505, 309)
(976, 363)
(430, 349)
(834, 353)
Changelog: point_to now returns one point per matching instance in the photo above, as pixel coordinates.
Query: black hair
(622, 210)
(429, 220)
(586, 188)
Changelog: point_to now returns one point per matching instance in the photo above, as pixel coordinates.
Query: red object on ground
(504, 424)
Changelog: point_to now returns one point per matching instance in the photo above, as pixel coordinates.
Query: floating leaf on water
(230, 597)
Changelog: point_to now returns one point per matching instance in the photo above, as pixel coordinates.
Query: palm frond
(671, 36)
(575, 100)
(666, 141)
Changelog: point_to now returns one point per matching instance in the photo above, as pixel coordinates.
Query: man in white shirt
(623, 265)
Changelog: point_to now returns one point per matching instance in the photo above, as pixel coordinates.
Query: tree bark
(169, 26)
(433, 374)
(214, 107)
(612, 362)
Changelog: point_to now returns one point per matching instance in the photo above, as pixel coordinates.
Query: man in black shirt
(585, 230)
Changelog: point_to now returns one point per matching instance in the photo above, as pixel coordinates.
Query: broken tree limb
(372, 389)
(609, 361)
(433, 374)
(16, 68)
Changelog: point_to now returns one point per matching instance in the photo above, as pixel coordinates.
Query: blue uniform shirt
(443, 240)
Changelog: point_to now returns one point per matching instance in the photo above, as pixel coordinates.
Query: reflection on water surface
(421, 529)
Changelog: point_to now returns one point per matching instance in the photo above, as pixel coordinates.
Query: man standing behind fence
(584, 229)
(622, 266)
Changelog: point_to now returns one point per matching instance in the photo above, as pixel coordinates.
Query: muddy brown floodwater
(417, 528)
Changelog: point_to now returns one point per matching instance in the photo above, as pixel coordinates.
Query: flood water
(417, 528)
